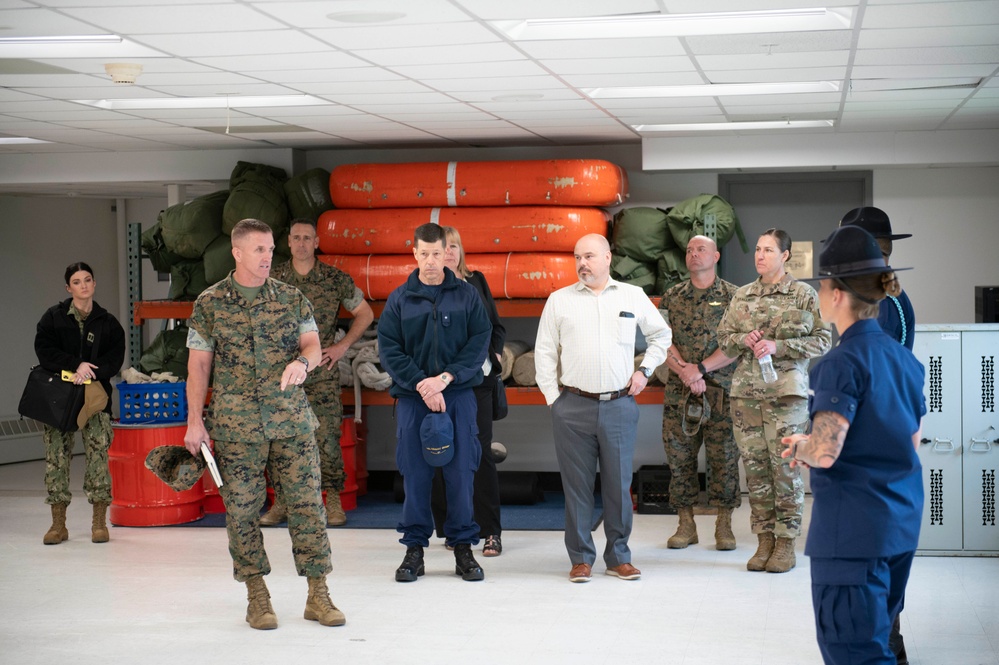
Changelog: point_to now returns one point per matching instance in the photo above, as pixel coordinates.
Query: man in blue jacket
(432, 340)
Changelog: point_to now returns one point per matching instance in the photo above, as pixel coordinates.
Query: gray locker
(940, 446)
(981, 440)
(959, 448)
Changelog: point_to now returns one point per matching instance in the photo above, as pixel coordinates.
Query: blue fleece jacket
(420, 337)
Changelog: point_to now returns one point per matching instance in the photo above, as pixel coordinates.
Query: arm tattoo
(826, 441)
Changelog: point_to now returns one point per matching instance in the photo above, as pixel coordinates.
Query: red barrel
(348, 446)
(140, 498)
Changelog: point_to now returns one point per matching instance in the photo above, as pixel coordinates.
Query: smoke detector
(123, 72)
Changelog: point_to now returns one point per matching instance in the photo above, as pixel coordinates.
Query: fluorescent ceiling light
(714, 90)
(680, 25)
(365, 17)
(217, 102)
(19, 140)
(732, 126)
(63, 39)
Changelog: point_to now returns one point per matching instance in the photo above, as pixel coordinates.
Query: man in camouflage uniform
(326, 288)
(696, 404)
(262, 338)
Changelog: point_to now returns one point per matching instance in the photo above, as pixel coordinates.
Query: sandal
(493, 546)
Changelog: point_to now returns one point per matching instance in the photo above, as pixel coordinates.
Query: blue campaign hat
(873, 220)
(437, 438)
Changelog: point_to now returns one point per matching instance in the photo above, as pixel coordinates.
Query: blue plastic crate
(140, 403)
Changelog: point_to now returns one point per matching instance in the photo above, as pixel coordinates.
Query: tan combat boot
(335, 515)
(99, 528)
(782, 560)
(759, 560)
(57, 532)
(319, 607)
(259, 613)
(724, 538)
(686, 531)
(275, 515)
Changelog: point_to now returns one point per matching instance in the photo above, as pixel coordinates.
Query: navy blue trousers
(855, 603)
(417, 523)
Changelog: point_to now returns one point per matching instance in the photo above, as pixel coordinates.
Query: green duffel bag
(628, 270)
(195, 226)
(187, 280)
(152, 244)
(671, 268)
(218, 259)
(252, 171)
(309, 194)
(257, 199)
(708, 215)
(167, 353)
(641, 233)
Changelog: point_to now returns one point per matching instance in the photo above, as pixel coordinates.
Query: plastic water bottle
(767, 369)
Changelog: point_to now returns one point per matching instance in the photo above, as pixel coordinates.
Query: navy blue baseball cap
(437, 438)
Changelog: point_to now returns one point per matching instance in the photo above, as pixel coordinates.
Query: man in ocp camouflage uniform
(262, 338)
(696, 404)
(326, 288)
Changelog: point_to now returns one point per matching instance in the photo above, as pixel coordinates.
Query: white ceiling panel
(195, 45)
(414, 36)
(440, 55)
(932, 15)
(620, 65)
(179, 17)
(908, 38)
(443, 66)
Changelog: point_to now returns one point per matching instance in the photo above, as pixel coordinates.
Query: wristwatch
(700, 368)
(646, 371)
(445, 377)
(304, 361)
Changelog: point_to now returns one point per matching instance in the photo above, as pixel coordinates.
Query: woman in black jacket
(66, 337)
(485, 497)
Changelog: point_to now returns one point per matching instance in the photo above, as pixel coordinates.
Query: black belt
(603, 397)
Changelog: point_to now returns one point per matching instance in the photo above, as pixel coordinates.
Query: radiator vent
(17, 428)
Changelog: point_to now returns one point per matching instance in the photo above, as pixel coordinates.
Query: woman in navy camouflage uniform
(777, 316)
(64, 340)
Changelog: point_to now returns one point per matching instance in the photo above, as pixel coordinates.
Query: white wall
(953, 216)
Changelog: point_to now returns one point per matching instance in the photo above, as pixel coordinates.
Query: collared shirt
(585, 334)
(869, 503)
(252, 344)
(327, 288)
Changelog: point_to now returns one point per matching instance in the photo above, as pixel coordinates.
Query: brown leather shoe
(625, 571)
(580, 573)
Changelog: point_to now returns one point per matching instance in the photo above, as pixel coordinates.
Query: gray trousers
(586, 432)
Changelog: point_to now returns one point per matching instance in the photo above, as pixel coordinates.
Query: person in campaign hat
(866, 406)
(895, 316)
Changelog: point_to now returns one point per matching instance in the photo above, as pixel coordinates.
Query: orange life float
(510, 275)
(483, 230)
(565, 182)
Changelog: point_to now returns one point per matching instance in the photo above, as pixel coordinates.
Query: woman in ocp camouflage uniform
(777, 316)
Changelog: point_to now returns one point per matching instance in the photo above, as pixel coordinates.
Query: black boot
(897, 644)
(465, 564)
(412, 565)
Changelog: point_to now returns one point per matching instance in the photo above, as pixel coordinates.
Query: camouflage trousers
(721, 453)
(324, 398)
(294, 465)
(776, 491)
(97, 436)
